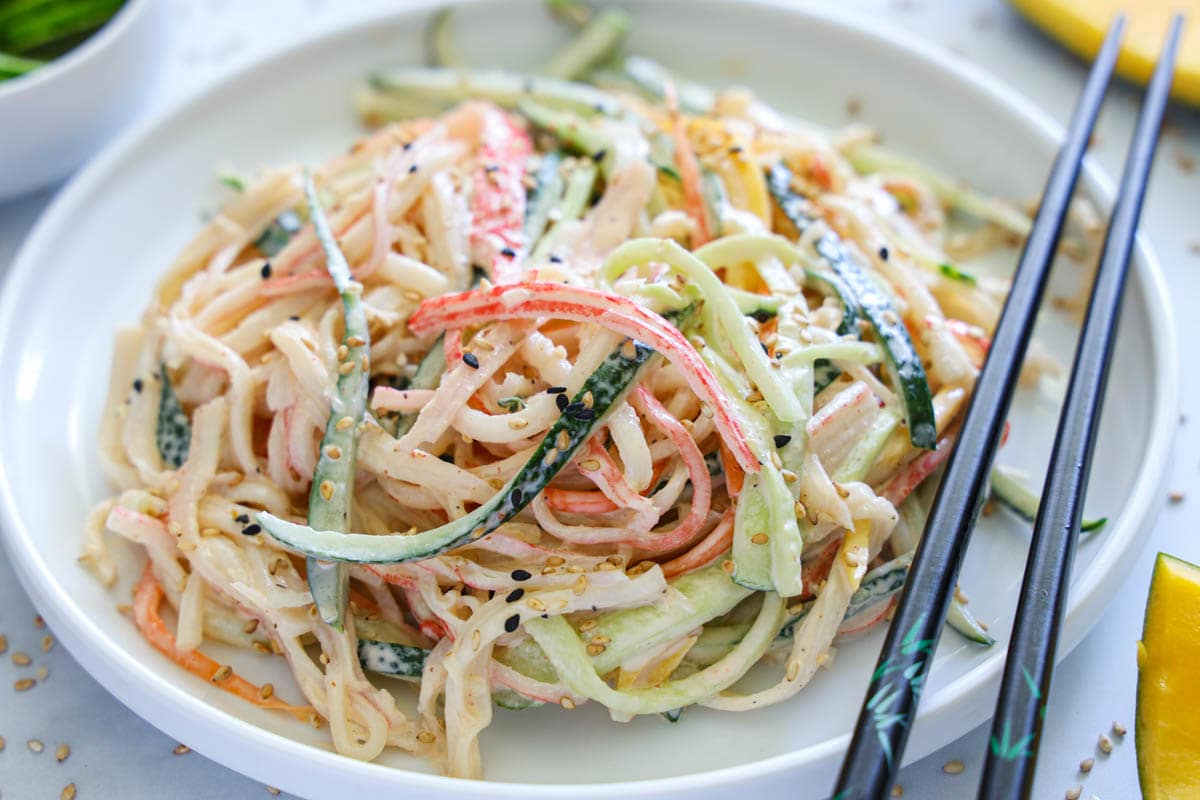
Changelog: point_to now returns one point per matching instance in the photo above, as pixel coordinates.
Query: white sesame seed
(1073, 793)
(1118, 728)
(42, 673)
(1105, 744)
(1086, 765)
(24, 684)
(272, 790)
(62, 752)
(3, 644)
(68, 792)
(567, 703)
(36, 745)
(953, 767)
(21, 659)
(181, 750)
(897, 791)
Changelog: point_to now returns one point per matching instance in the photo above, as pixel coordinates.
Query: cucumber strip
(41, 27)
(703, 595)
(546, 193)
(332, 491)
(594, 45)
(434, 90)
(719, 303)
(573, 131)
(428, 375)
(852, 352)
(173, 433)
(566, 652)
(440, 48)
(871, 158)
(766, 505)
(605, 388)
(954, 273)
(576, 197)
(761, 307)
(279, 233)
(662, 156)
(1012, 493)
(651, 78)
(905, 367)
(389, 658)
(716, 200)
(959, 619)
(858, 462)
(833, 286)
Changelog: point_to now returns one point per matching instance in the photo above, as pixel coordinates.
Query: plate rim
(169, 708)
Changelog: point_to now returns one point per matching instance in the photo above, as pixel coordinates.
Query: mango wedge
(1080, 25)
(1168, 696)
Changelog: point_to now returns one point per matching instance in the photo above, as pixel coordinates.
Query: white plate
(89, 265)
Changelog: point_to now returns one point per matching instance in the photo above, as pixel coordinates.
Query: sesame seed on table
(89, 745)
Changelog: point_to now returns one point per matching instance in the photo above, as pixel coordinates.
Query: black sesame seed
(408, 145)
(599, 155)
(573, 408)
(294, 317)
(252, 530)
(562, 401)
(508, 252)
(556, 390)
(781, 439)
(512, 623)
(514, 595)
(471, 360)
(412, 169)
(517, 496)
(491, 168)
(555, 259)
(883, 253)
(585, 414)
(520, 575)
(242, 518)
(266, 269)
(137, 385)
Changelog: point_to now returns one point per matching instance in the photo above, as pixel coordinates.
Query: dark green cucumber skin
(903, 361)
(279, 233)
(546, 192)
(173, 434)
(389, 658)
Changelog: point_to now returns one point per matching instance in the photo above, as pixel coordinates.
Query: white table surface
(115, 754)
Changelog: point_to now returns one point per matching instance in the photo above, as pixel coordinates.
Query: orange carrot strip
(147, 598)
(689, 167)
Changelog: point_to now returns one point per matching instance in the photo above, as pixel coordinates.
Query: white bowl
(57, 317)
(58, 115)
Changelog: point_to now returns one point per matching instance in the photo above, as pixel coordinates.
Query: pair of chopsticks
(889, 708)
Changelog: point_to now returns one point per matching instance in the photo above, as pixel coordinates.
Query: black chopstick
(1016, 728)
(889, 707)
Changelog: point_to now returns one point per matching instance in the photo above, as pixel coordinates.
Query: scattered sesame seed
(561, 401)
(1086, 765)
(567, 703)
(759, 538)
(24, 684)
(266, 270)
(68, 792)
(3, 644)
(556, 259)
(426, 737)
(1175, 497)
(327, 489)
(520, 575)
(42, 673)
(21, 660)
(512, 623)
(587, 625)
(628, 350)
(242, 518)
(333, 451)
(224, 673)
(599, 155)
(314, 719)
(272, 790)
(518, 424)
(1105, 744)
(581, 584)
(471, 360)
(267, 691)
(782, 439)
(508, 252)
(589, 465)
(563, 441)
(255, 529)
(2, 744)
(897, 791)
(595, 649)
(62, 752)
(346, 368)
(727, 567)
(1074, 793)
(38, 622)
(953, 767)
(535, 604)
(412, 168)
(1118, 728)
(514, 595)
(36, 745)
(181, 750)
(138, 385)
(793, 671)
(345, 423)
